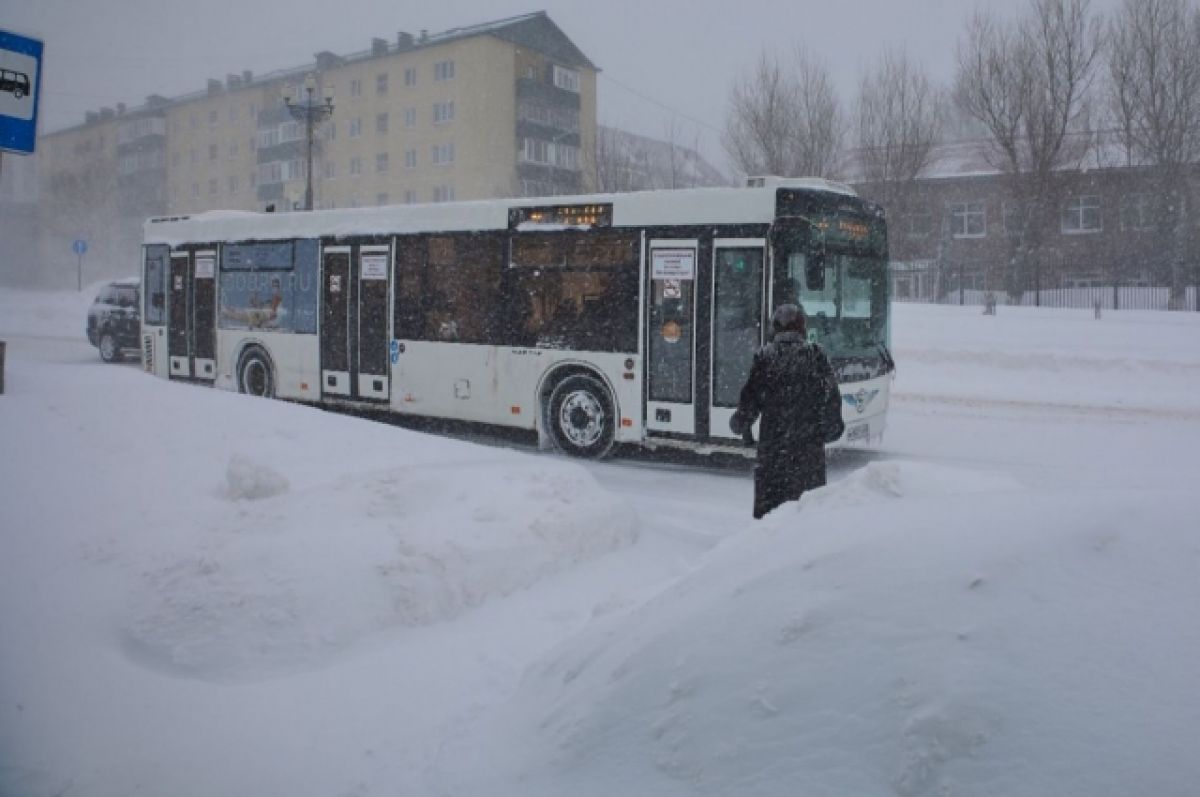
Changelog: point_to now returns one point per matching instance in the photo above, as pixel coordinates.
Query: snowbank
(910, 630)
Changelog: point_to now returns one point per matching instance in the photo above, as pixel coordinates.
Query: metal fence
(931, 283)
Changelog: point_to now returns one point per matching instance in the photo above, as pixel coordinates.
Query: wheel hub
(581, 418)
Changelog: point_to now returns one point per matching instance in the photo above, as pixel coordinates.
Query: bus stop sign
(20, 77)
(79, 247)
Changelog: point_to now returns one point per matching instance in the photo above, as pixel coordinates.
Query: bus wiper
(886, 356)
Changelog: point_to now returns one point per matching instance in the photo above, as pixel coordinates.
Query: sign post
(80, 248)
(20, 79)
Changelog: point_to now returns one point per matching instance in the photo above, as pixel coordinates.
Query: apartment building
(501, 109)
(505, 108)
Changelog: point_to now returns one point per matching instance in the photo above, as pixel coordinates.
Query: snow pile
(889, 636)
(247, 480)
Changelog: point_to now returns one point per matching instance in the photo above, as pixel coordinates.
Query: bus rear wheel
(255, 375)
(582, 419)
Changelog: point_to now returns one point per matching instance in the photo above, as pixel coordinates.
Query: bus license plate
(857, 432)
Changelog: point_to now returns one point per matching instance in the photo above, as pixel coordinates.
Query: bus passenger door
(335, 321)
(204, 316)
(372, 327)
(671, 337)
(738, 302)
(179, 315)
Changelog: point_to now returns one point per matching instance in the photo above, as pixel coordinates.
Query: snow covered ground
(205, 594)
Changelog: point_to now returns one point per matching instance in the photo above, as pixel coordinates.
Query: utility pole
(312, 114)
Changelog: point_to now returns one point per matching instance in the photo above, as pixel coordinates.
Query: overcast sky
(660, 59)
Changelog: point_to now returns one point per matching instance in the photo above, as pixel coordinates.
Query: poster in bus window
(374, 267)
(205, 268)
(270, 287)
(676, 264)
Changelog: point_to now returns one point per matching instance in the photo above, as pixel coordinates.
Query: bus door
(192, 315)
(204, 315)
(738, 314)
(354, 322)
(671, 337)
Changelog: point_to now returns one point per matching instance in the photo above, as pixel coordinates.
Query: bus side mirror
(814, 271)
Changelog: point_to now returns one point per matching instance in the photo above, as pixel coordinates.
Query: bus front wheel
(582, 419)
(255, 376)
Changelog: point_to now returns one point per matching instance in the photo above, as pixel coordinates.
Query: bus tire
(255, 375)
(581, 417)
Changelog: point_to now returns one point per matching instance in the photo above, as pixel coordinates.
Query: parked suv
(113, 322)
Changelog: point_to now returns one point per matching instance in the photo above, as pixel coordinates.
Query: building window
(252, 180)
(195, 189)
(1137, 212)
(410, 117)
(443, 70)
(212, 118)
(410, 159)
(381, 81)
(355, 166)
(356, 88)
(331, 131)
(566, 79)
(194, 121)
(967, 220)
(410, 76)
(330, 170)
(194, 157)
(381, 123)
(254, 112)
(175, 158)
(381, 163)
(534, 150)
(443, 112)
(233, 184)
(212, 187)
(212, 152)
(356, 127)
(1081, 215)
(410, 197)
(233, 149)
(443, 193)
(381, 199)
(443, 154)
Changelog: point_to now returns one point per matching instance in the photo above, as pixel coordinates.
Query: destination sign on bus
(847, 231)
(596, 215)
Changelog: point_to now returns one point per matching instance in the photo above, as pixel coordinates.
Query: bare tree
(616, 168)
(1154, 100)
(785, 119)
(1027, 83)
(900, 114)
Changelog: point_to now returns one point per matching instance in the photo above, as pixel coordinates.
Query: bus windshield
(844, 294)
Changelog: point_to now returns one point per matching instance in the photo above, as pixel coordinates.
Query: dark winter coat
(788, 386)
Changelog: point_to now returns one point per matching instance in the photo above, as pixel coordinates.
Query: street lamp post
(312, 114)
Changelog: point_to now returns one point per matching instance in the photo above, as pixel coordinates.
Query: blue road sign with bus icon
(79, 247)
(20, 77)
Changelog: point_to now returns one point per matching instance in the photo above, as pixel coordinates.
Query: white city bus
(593, 320)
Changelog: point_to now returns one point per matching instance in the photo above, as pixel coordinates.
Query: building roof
(979, 158)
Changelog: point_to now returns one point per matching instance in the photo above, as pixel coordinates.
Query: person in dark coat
(789, 386)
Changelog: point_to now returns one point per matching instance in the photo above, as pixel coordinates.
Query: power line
(660, 104)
